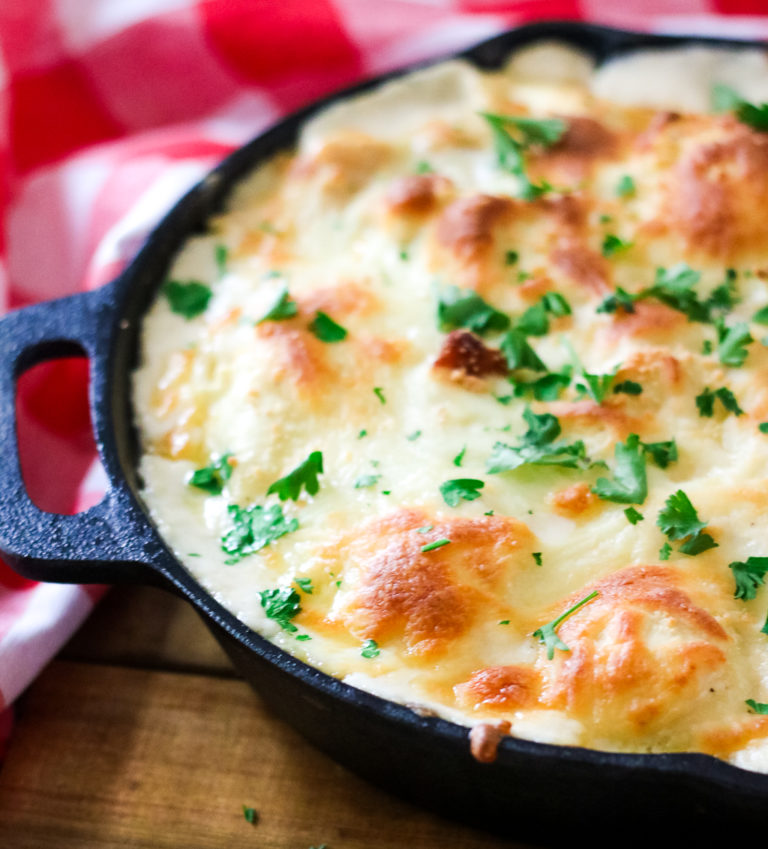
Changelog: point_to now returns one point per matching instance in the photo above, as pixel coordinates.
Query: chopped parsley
(761, 316)
(364, 481)
(537, 558)
(726, 99)
(304, 475)
(534, 321)
(438, 543)
(633, 516)
(678, 520)
(511, 257)
(612, 245)
(519, 354)
(211, 478)
(457, 308)
(665, 551)
(749, 575)
(538, 447)
(379, 393)
(281, 605)
(459, 458)
(326, 329)
(619, 300)
(626, 188)
(546, 388)
(662, 453)
(466, 489)
(512, 136)
(282, 308)
(412, 437)
(758, 707)
(705, 401)
(362, 434)
(423, 167)
(370, 649)
(188, 298)
(628, 387)
(629, 484)
(424, 530)
(732, 342)
(253, 528)
(304, 584)
(555, 304)
(547, 634)
(221, 255)
(250, 815)
(763, 427)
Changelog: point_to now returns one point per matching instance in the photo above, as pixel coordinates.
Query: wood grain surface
(141, 735)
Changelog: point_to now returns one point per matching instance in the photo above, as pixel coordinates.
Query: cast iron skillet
(533, 791)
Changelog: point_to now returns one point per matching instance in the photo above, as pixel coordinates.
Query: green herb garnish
(438, 543)
(633, 516)
(732, 342)
(282, 308)
(626, 188)
(364, 481)
(537, 558)
(705, 401)
(547, 634)
(454, 491)
(304, 584)
(253, 528)
(678, 520)
(457, 308)
(629, 484)
(459, 458)
(519, 354)
(726, 99)
(188, 298)
(628, 387)
(749, 575)
(304, 475)
(612, 245)
(250, 815)
(211, 478)
(758, 707)
(370, 649)
(281, 605)
(326, 329)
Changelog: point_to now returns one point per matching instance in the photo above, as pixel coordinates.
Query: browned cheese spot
(640, 653)
(573, 500)
(417, 195)
(464, 355)
(426, 599)
(716, 194)
(585, 142)
(499, 688)
(467, 225)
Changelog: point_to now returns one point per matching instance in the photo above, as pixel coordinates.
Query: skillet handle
(107, 543)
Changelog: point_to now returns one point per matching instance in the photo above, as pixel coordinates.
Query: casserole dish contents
(465, 400)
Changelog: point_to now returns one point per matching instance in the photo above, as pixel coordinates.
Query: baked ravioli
(464, 401)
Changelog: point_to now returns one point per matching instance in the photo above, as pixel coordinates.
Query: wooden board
(142, 737)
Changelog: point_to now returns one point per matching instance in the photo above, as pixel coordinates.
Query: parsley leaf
(453, 491)
(679, 520)
(326, 329)
(250, 815)
(282, 308)
(513, 135)
(628, 387)
(619, 300)
(732, 341)
(725, 99)
(629, 484)
(370, 649)
(537, 557)
(612, 245)
(758, 707)
(749, 575)
(304, 475)
(364, 481)
(212, 478)
(281, 605)
(556, 304)
(546, 388)
(761, 316)
(547, 634)
(534, 321)
(304, 584)
(438, 543)
(379, 393)
(625, 188)
(221, 255)
(519, 354)
(253, 528)
(633, 516)
(662, 453)
(459, 458)
(189, 298)
(537, 447)
(457, 308)
(705, 401)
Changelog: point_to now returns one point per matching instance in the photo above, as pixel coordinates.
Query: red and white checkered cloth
(111, 109)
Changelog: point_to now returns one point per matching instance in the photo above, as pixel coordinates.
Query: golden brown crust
(499, 688)
(464, 355)
(467, 226)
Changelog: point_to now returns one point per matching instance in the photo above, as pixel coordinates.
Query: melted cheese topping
(354, 225)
